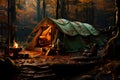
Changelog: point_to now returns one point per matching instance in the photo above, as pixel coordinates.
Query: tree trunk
(63, 9)
(44, 9)
(38, 11)
(11, 11)
(57, 9)
(112, 48)
(11, 20)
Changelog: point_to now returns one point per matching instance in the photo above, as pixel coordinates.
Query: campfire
(15, 49)
(15, 44)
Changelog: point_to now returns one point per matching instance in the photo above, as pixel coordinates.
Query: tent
(66, 33)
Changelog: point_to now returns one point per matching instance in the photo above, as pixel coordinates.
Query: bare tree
(38, 11)
(57, 8)
(44, 8)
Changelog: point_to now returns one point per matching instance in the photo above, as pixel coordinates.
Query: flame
(15, 45)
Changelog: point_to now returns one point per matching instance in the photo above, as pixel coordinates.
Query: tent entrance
(48, 36)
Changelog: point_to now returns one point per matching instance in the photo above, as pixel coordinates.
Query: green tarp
(75, 28)
(72, 43)
(72, 33)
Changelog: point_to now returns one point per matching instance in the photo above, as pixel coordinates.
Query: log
(85, 58)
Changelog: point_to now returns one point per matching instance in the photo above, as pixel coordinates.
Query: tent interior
(63, 35)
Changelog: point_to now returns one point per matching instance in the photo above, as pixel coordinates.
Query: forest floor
(69, 67)
(35, 66)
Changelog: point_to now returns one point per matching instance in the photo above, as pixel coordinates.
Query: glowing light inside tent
(46, 34)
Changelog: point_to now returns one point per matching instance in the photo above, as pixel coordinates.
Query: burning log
(15, 44)
(15, 49)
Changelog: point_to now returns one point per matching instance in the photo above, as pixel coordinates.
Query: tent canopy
(69, 33)
(68, 27)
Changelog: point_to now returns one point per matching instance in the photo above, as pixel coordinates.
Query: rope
(109, 41)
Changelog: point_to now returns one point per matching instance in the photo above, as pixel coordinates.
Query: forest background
(28, 13)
